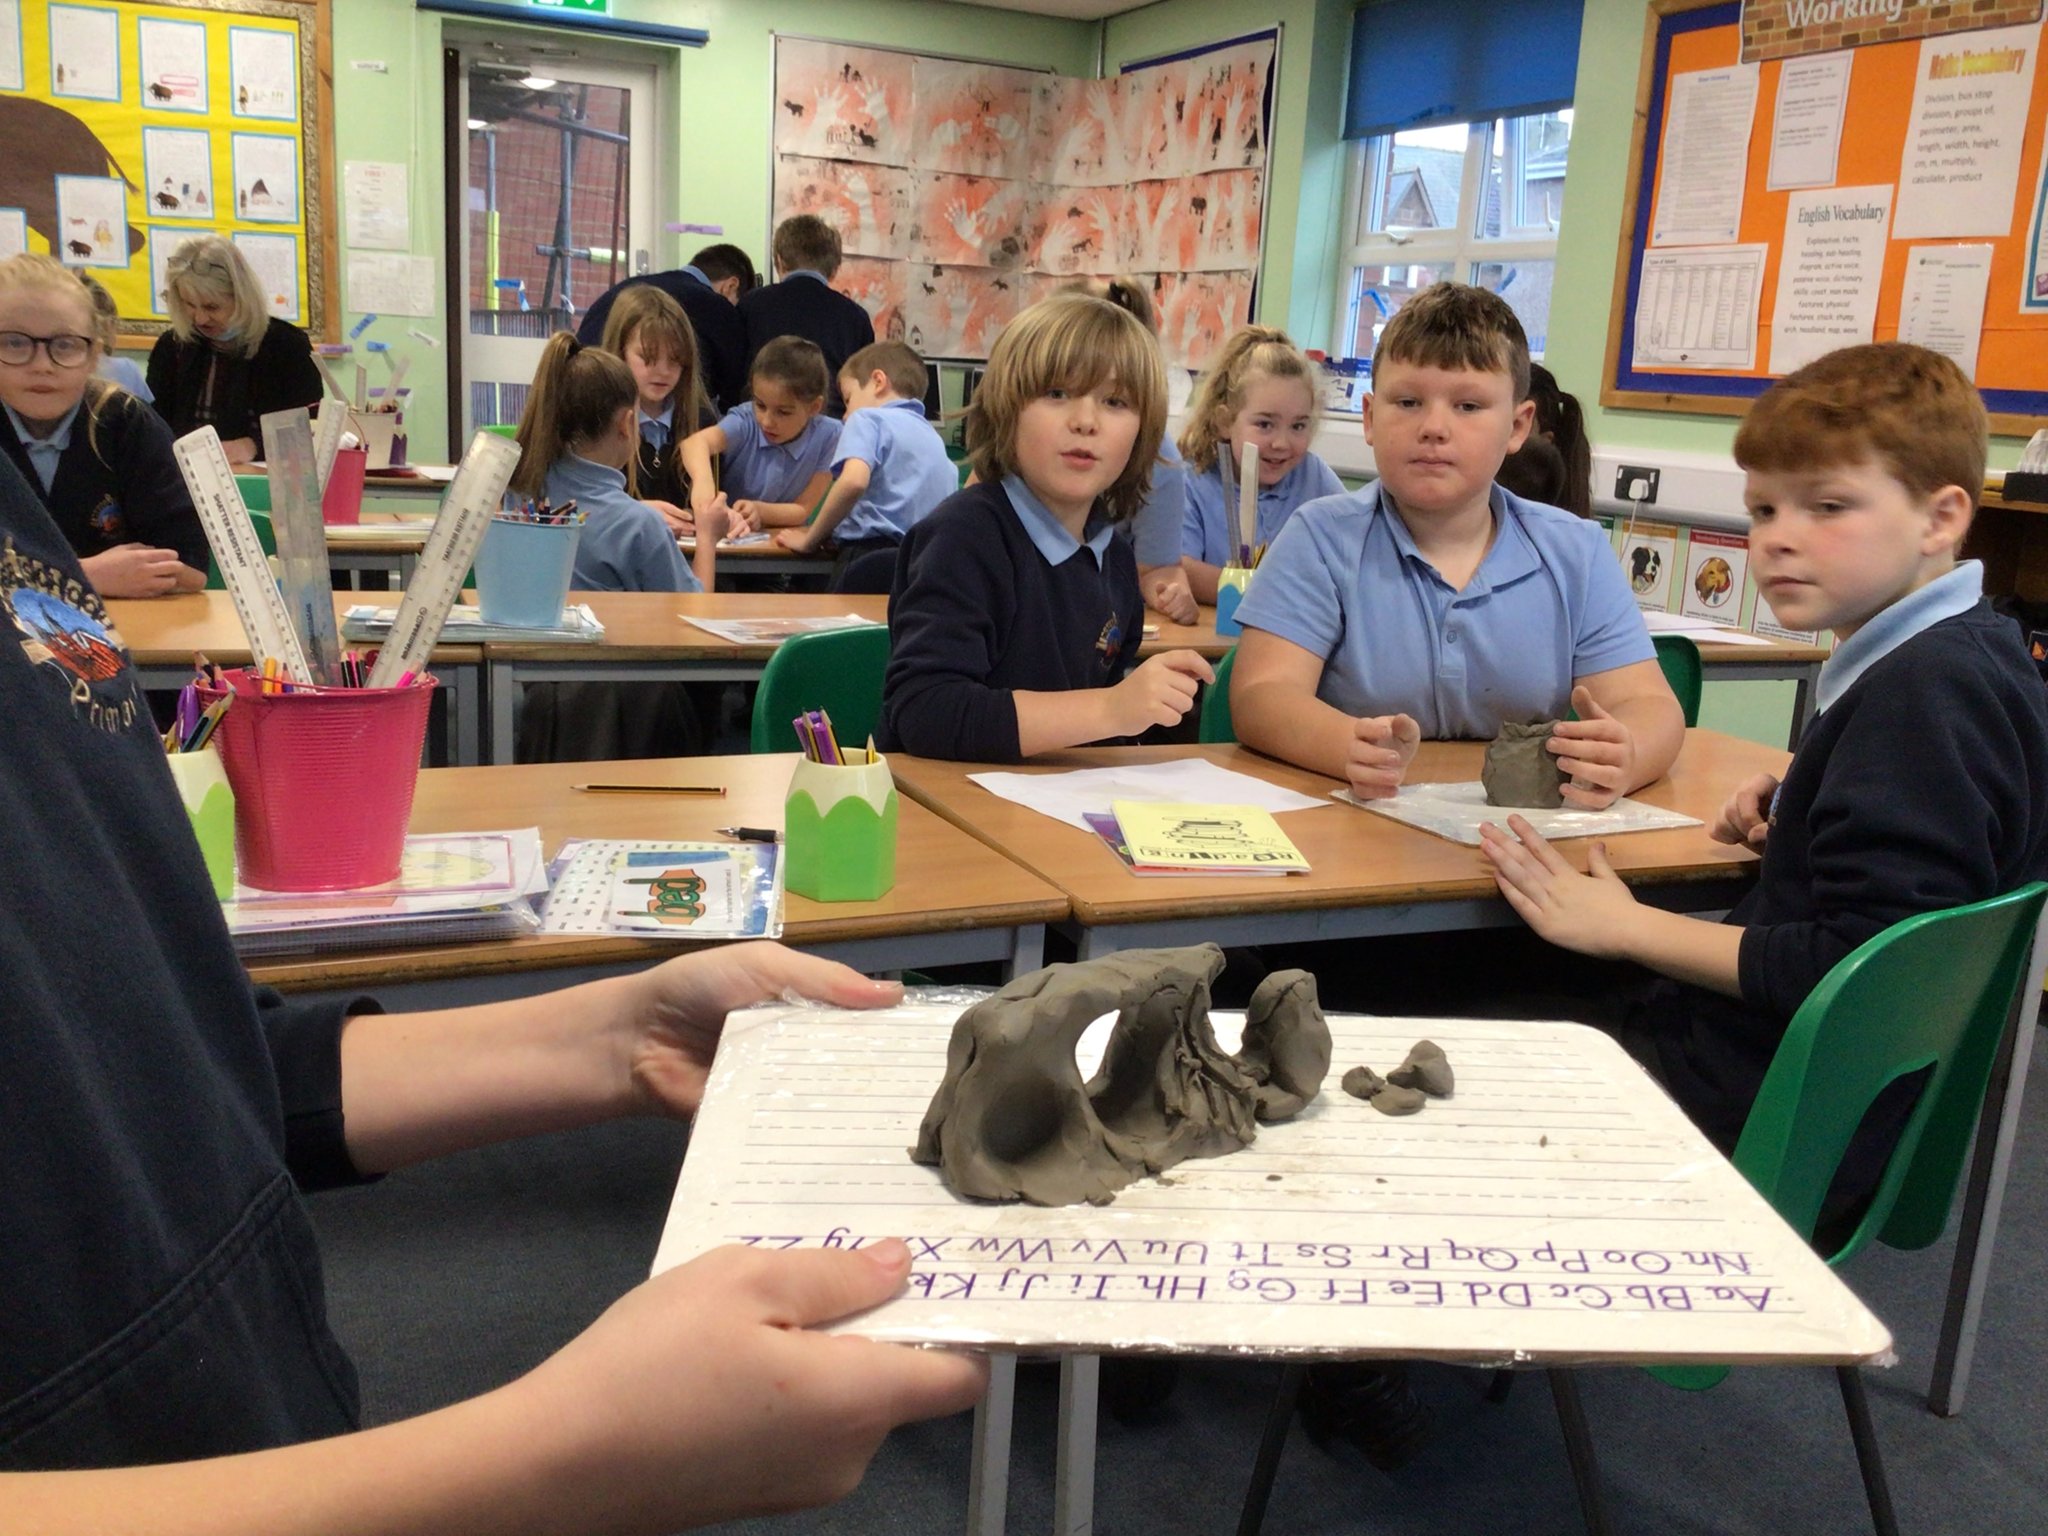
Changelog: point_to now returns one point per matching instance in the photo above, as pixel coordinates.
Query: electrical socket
(1636, 483)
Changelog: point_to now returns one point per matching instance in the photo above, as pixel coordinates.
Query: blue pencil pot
(1231, 584)
(522, 572)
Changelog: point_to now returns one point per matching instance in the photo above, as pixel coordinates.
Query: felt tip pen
(650, 789)
(752, 834)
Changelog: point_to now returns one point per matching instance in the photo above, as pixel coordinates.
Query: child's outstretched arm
(1627, 735)
(1158, 692)
(1596, 914)
(696, 452)
(1274, 709)
(785, 514)
(851, 485)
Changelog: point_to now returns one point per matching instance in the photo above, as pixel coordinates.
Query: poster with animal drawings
(971, 118)
(1198, 310)
(975, 220)
(869, 205)
(956, 311)
(877, 286)
(1086, 230)
(1077, 132)
(124, 113)
(837, 103)
(1207, 223)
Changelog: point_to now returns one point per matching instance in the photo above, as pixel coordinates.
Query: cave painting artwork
(972, 118)
(842, 103)
(869, 205)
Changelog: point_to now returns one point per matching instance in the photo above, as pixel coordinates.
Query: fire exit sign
(582, 7)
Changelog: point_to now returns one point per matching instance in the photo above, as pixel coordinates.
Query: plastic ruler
(243, 565)
(289, 458)
(327, 432)
(473, 498)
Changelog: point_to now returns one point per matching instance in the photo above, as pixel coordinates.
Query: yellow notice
(1224, 838)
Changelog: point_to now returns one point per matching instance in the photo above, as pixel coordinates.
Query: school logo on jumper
(62, 627)
(673, 896)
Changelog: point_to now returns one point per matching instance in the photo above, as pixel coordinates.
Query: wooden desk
(163, 633)
(383, 544)
(759, 561)
(954, 901)
(1371, 875)
(648, 638)
(1780, 661)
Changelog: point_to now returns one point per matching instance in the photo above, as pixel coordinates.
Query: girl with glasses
(99, 458)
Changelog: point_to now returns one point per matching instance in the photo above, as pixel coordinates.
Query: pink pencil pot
(342, 502)
(323, 781)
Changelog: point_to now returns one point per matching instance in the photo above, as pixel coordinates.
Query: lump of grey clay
(1425, 1067)
(1363, 1082)
(1391, 1100)
(1013, 1119)
(1520, 770)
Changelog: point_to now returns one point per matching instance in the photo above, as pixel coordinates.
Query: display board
(963, 191)
(1785, 206)
(130, 128)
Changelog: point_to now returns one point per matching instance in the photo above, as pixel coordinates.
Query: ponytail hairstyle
(577, 394)
(1254, 351)
(1559, 419)
(33, 272)
(643, 311)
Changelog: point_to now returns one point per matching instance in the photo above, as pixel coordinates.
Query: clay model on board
(1424, 1073)
(1520, 770)
(1013, 1119)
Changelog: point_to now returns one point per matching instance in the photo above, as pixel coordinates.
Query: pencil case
(203, 785)
(839, 831)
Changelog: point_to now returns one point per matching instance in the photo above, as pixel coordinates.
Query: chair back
(259, 519)
(1933, 992)
(1680, 659)
(838, 671)
(1216, 729)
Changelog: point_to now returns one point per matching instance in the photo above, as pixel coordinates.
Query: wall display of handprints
(964, 191)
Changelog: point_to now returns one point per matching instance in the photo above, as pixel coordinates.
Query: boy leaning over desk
(1921, 784)
(166, 1365)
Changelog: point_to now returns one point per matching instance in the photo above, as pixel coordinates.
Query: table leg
(468, 709)
(988, 1476)
(1027, 950)
(504, 690)
(1073, 1495)
(1802, 702)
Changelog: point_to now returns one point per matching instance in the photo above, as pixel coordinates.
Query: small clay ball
(1397, 1101)
(1425, 1067)
(1520, 770)
(1363, 1082)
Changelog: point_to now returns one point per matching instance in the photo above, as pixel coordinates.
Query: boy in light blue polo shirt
(777, 447)
(891, 465)
(1436, 604)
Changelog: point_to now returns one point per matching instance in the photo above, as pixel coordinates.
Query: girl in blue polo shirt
(1260, 390)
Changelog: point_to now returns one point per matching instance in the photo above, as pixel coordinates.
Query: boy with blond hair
(1436, 604)
(1922, 782)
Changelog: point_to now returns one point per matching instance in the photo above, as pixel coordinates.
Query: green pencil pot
(839, 831)
(203, 786)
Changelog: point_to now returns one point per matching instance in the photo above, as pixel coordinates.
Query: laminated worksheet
(1557, 1207)
(657, 889)
(1457, 811)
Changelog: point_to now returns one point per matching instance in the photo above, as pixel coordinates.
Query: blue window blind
(1417, 62)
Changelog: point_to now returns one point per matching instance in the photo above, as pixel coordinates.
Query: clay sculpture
(1425, 1067)
(1013, 1119)
(1520, 770)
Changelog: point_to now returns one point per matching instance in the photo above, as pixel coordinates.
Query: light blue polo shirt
(44, 453)
(1048, 534)
(1548, 605)
(626, 545)
(1956, 592)
(657, 431)
(1155, 528)
(1207, 529)
(908, 471)
(758, 470)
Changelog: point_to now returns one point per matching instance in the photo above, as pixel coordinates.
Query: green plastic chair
(255, 491)
(1216, 729)
(839, 671)
(1680, 659)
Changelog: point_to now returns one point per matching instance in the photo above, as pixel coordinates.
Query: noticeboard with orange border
(1689, 37)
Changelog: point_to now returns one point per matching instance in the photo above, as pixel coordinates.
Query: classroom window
(1475, 202)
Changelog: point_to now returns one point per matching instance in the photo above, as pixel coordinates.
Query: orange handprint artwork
(869, 205)
(877, 286)
(957, 311)
(1086, 231)
(842, 103)
(972, 118)
(974, 221)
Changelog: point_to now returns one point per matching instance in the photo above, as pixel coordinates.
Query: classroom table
(1371, 875)
(381, 544)
(765, 561)
(955, 901)
(163, 634)
(1779, 661)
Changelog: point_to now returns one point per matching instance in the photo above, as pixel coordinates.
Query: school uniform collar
(1278, 490)
(665, 420)
(808, 272)
(582, 477)
(1957, 592)
(1511, 558)
(901, 404)
(44, 453)
(696, 273)
(1047, 534)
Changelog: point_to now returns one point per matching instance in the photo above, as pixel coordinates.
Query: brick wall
(1768, 31)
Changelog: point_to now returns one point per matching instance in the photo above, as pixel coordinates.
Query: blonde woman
(226, 360)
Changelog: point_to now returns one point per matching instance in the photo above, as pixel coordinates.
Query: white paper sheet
(1710, 631)
(379, 212)
(1806, 128)
(1705, 153)
(390, 285)
(173, 70)
(1558, 1207)
(775, 631)
(1457, 811)
(85, 52)
(1828, 272)
(1960, 169)
(263, 73)
(1070, 795)
(1698, 308)
(1942, 303)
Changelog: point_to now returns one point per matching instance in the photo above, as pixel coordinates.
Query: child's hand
(240, 450)
(681, 523)
(1158, 692)
(1596, 751)
(745, 519)
(134, 570)
(702, 496)
(703, 1395)
(796, 540)
(1382, 747)
(1745, 820)
(1588, 913)
(1167, 594)
(713, 520)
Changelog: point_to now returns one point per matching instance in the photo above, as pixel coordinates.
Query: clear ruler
(473, 499)
(243, 565)
(288, 456)
(327, 432)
